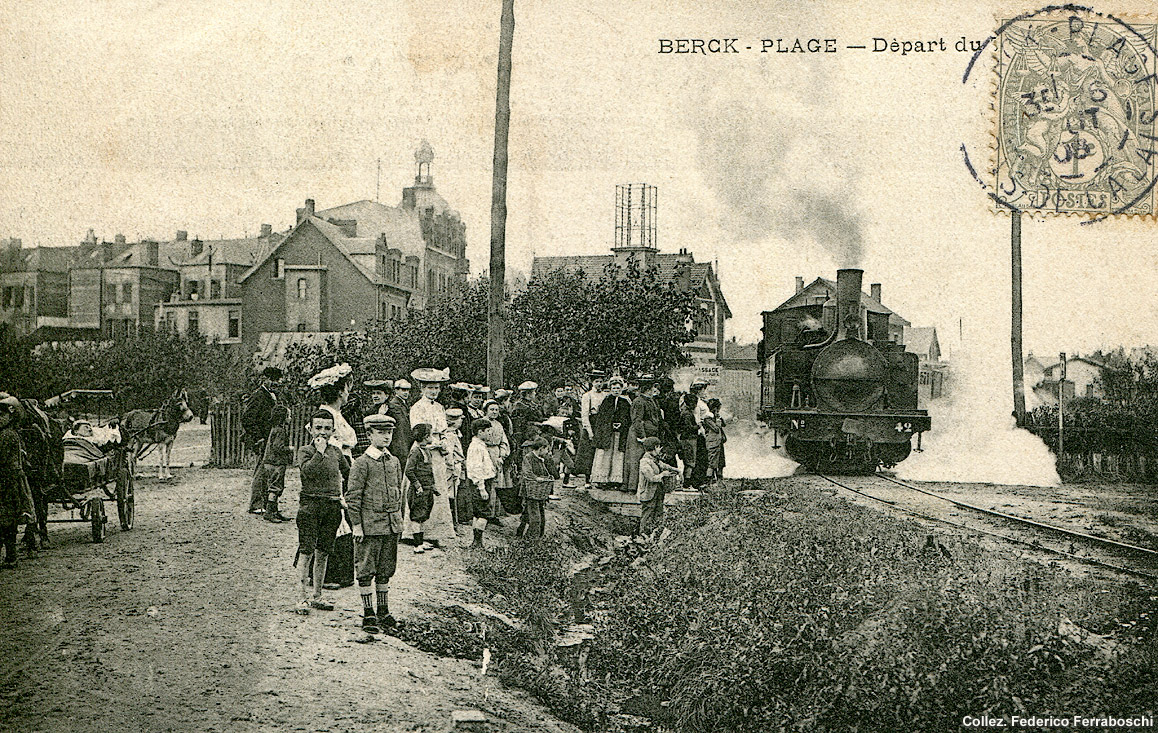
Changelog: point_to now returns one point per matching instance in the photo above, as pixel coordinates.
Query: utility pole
(498, 265)
(1015, 330)
(1061, 400)
(378, 181)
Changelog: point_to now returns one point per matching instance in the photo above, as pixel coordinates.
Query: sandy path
(185, 623)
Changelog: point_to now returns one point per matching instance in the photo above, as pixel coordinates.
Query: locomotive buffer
(844, 399)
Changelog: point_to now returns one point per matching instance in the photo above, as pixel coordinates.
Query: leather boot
(273, 514)
(478, 533)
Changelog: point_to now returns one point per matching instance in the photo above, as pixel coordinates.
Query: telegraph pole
(1015, 330)
(498, 265)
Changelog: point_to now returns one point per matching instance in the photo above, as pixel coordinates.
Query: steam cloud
(974, 436)
(769, 164)
(749, 453)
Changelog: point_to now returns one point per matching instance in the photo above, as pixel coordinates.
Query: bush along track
(800, 611)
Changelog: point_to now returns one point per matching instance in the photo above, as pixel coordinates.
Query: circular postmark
(1075, 114)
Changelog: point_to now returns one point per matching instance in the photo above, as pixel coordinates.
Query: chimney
(119, 239)
(90, 238)
(307, 211)
(875, 289)
(266, 231)
(799, 284)
(182, 235)
(684, 257)
(154, 254)
(106, 251)
(848, 285)
(196, 247)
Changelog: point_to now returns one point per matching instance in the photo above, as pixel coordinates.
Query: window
(234, 324)
(278, 269)
(110, 293)
(303, 288)
(8, 297)
(194, 323)
(1089, 390)
(126, 292)
(214, 289)
(191, 288)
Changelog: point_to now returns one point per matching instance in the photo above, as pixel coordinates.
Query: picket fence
(227, 444)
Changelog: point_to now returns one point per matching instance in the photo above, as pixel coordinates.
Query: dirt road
(185, 623)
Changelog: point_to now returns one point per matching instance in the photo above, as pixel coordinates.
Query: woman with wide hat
(439, 526)
(333, 388)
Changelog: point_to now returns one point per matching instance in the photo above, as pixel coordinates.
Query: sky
(143, 118)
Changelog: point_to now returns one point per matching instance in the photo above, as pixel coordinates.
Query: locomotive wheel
(126, 503)
(96, 513)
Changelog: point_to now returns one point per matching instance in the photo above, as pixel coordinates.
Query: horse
(144, 430)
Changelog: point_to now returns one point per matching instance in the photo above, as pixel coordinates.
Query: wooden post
(1015, 330)
(1061, 397)
(498, 264)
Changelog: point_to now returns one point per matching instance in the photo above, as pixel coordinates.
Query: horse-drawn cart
(98, 465)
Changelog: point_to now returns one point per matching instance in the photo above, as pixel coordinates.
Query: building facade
(346, 267)
(34, 287)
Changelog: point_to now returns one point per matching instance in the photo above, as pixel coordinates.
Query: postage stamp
(1075, 114)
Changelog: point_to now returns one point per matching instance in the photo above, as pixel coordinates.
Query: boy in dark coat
(374, 499)
(536, 481)
(420, 473)
(279, 456)
(320, 510)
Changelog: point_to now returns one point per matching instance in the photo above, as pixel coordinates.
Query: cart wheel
(96, 513)
(126, 503)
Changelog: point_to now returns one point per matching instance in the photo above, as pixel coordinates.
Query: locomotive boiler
(835, 382)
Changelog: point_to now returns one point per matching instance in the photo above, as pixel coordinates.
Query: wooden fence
(1101, 454)
(227, 444)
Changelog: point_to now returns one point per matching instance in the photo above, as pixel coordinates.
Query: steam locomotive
(835, 382)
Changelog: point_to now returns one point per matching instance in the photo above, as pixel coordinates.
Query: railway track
(1103, 552)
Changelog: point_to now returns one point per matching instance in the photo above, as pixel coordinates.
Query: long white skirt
(607, 468)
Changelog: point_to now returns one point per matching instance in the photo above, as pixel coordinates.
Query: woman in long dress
(610, 425)
(440, 525)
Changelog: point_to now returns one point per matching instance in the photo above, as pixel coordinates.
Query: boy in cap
(650, 491)
(455, 464)
(319, 509)
(536, 481)
(374, 500)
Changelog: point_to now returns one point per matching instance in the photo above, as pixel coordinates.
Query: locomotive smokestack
(848, 284)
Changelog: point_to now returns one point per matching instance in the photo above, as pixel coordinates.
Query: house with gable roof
(344, 268)
(680, 268)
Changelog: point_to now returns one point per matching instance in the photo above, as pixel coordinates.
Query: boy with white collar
(374, 499)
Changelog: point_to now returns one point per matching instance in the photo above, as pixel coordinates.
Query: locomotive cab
(844, 403)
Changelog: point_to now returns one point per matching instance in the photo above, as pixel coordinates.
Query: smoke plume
(766, 155)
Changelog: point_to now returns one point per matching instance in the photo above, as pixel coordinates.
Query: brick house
(346, 267)
(208, 298)
(34, 287)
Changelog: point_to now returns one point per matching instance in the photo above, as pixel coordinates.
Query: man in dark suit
(398, 407)
(255, 425)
